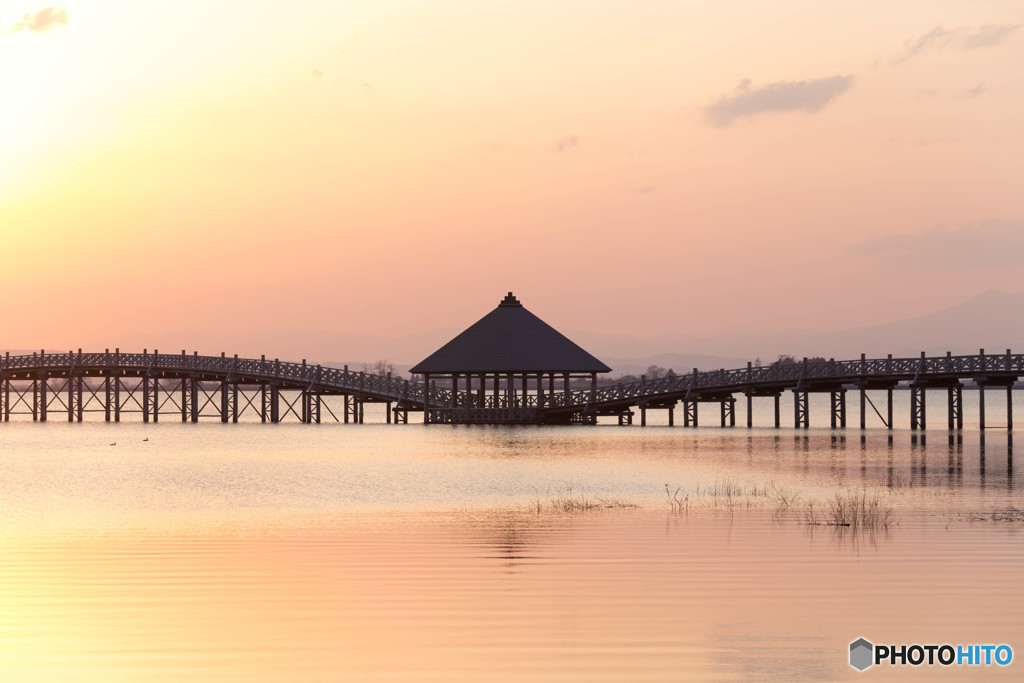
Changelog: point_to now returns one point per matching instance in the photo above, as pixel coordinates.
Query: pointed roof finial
(510, 300)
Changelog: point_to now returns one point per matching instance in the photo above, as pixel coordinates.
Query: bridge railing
(791, 374)
(323, 378)
(315, 376)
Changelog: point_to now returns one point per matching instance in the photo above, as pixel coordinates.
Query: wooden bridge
(45, 385)
(192, 386)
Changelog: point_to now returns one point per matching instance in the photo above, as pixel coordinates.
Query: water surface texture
(374, 552)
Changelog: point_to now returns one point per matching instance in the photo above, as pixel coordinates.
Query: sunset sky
(395, 166)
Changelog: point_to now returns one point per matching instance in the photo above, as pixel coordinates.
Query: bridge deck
(142, 376)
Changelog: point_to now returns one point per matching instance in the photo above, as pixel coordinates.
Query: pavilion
(506, 368)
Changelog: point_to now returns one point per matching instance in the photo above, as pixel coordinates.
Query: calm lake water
(408, 553)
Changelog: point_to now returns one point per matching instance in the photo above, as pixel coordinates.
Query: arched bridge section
(158, 385)
(189, 387)
(946, 373)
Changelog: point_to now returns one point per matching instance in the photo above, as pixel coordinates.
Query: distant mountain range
(993, 320)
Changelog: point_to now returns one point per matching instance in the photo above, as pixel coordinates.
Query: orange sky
(392, 167)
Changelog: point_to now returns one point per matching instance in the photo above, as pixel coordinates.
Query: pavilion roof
(510, 339)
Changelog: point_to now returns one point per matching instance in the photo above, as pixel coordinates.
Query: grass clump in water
(568, 499)
(854, 509)
(730, 493)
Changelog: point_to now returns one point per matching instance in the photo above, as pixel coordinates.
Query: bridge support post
(778, 414)
(71, 397)
(839, 408)
(223, 402)
(156, 400)
(729, 412)
(750, 408)
(275, 404)
(117, 398)
(888, 399)
(184, 398)
(387, 409)
(690, 413)
(346, 408)
(145, 400)
(264, 396)
(1009, 407)
(43, 398)
(955, 417)
(7, 400)
(672, 415)
(106, 398)
(234, 403)
(194, 391)
(643, 416)
(918, 411)
(981, 406)
(801, 410)
(35, 400)
(863, 408)
(426, 396)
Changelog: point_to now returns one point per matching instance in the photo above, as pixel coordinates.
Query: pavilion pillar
(510, 394)
(540, 390)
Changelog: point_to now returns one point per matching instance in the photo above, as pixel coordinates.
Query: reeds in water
(568, 499)
(729, 492)
(854, 509)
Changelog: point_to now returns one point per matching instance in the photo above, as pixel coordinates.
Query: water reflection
(409, 553)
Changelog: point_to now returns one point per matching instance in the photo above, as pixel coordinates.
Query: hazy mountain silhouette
(992, 320)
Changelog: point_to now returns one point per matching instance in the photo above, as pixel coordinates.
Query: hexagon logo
(861, 654)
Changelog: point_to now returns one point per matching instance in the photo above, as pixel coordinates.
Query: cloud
(977, 91)
(809, 96)
(938, 36)
(43, 21)
(963, 38)
(991, 243)
(988, 35)
(565, 144)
